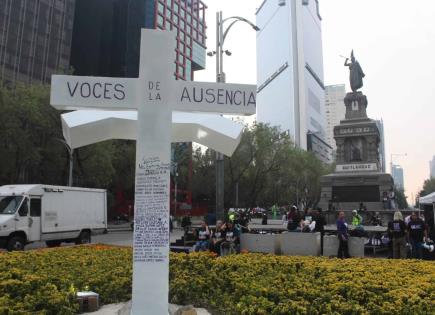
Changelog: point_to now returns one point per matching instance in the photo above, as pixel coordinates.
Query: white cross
(155, 94)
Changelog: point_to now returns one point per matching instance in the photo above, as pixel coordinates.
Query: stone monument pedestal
(346, 191)
(357, 178)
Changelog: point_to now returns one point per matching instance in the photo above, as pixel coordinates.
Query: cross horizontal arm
(80, 92)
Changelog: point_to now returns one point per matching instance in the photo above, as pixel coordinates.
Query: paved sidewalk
(124, 309)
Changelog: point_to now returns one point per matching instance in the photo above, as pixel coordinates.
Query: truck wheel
(16, 243)
(53, 243)
(84, 238)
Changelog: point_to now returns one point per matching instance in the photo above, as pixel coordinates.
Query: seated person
(232, 239)
(376, 219)
(357, 221)
(356, 218)
(308, 225)
(217, 237)
(293, 219)
(202, 238)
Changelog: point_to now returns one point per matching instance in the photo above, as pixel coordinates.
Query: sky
(393, 40)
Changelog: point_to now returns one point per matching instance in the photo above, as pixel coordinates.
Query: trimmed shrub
(267, 284)
(45, 282)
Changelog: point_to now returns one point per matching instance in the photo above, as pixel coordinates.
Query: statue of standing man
(356, 74)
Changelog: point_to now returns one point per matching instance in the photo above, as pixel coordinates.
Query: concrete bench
(260, 243)
(302, 244)
(330, 246)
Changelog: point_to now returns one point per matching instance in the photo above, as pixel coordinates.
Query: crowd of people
(406, 237)
(223, 239)
(309, 221)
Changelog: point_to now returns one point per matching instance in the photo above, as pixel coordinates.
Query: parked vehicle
(53, 214)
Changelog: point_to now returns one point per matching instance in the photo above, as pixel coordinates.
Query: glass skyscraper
(35, 39)
(106, 37)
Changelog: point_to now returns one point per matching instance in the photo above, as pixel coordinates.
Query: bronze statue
(356, 74)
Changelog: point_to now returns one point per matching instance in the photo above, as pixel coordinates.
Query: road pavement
(120, 237)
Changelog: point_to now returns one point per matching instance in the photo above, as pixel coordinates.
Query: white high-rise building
(432, 167)
(291, 92)
(335, 110)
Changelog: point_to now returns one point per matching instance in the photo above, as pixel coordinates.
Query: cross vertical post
(151, 231)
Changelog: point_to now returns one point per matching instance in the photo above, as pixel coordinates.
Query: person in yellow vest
(231, 216)
(356, 218)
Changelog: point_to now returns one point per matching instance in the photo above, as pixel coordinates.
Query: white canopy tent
(85, 127)
(428, 199)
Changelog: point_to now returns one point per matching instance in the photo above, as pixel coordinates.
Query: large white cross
(155, 94)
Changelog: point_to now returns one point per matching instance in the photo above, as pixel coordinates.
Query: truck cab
(20, 220)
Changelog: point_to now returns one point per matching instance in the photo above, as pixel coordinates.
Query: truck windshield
(9, 204)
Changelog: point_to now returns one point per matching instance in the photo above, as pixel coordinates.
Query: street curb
(119, 230)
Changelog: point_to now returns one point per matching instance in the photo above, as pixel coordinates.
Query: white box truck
(52, 214)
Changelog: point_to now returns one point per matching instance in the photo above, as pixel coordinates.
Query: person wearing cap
(356, 218)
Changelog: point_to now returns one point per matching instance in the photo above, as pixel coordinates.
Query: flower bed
(265, 284)
(45, 281)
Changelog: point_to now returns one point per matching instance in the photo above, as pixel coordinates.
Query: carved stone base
(356, 105)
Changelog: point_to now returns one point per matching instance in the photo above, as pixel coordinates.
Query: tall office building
(432, 168)
(397, 174)
(35, 39)
(106, 37)
(291, 92)
(382, 154)
(335, 110)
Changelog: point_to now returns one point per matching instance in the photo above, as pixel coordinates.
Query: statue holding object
(356, 74)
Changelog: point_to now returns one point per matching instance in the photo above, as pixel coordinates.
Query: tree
(402, 202)
(428, 187)
(30, 150)
(265, 169)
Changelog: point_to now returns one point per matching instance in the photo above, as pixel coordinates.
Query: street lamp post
(71, 160)
(220, 78)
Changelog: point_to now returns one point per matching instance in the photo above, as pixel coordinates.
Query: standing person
(362, 207)
(264, 218)
(391, 198)
(171, 224)
(202, 238)
(284, 218)
(385, 200)
(320, 226)
(397, 232)
(217, 237)
(417, 233)
(343, 236)
(274, 211)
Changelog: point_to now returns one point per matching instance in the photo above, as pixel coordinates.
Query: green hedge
(45, 282)
(266, 284)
